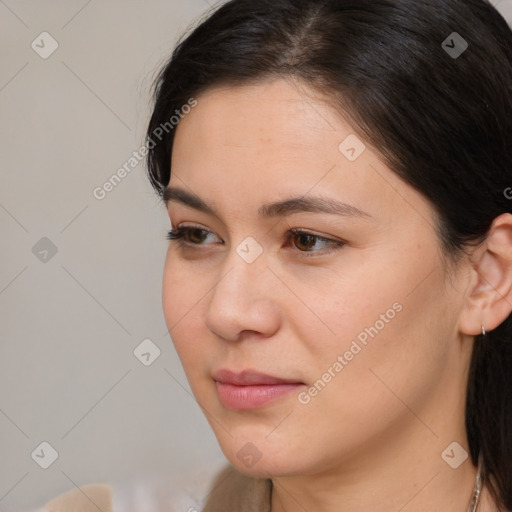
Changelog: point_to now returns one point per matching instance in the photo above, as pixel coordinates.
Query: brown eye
(306, 241)
(196, 235)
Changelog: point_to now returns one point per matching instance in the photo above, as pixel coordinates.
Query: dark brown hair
(441, 120)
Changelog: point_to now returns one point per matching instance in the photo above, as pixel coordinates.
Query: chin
(259, 457)
(264, 468)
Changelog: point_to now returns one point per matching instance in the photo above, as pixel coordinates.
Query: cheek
(182, 288)
(358, 303)
(182, 293)
(390, 355)
(401, 363)
(385, 319)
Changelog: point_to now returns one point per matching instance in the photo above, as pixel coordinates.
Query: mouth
(250, 389)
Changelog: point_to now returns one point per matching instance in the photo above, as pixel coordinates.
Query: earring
(483, 329)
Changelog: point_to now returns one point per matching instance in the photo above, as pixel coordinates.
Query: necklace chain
(475, 497)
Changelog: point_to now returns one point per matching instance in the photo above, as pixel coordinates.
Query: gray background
(71, 321)
(69, 325)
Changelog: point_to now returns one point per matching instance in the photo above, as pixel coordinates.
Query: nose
(242, 299)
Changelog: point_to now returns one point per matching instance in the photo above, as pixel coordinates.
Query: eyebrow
(270, 210)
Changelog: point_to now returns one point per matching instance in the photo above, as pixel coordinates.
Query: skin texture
(372, 438)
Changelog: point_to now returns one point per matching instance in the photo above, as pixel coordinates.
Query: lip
(249, 378)
(250, 389)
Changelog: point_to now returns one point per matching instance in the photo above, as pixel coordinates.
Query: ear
(489, 296)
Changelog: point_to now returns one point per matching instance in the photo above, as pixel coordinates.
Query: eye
(309, 240)
(190, 236)
(183, 235)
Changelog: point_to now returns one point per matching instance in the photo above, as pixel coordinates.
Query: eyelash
(180, 233)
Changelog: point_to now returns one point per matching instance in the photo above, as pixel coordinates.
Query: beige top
(234, 492)
(231, 491)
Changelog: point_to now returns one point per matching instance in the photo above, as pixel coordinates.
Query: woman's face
(309, 350)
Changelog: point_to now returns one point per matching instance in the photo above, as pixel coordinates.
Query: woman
(338, 283)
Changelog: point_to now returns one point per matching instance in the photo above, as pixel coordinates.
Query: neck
(396, 488)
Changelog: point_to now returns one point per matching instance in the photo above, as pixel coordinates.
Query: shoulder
(201, 489)
(126, 495)
(233, 491)
(92, 497)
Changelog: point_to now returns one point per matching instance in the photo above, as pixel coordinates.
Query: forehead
(270, 131)
(243, 146)
(278, 115)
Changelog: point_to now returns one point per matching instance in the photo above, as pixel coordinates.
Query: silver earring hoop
(483, 329)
